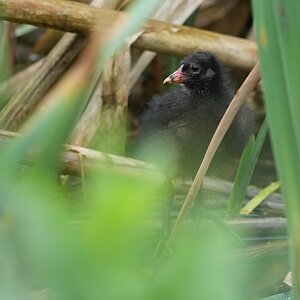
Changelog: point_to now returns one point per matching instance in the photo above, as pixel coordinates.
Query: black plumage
(181, 121)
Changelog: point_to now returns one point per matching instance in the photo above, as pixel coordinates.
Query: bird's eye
(195, 68)
(184, 67)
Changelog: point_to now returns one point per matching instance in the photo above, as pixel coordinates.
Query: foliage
(96, 243)
(277, 28)
(245, 170)
(4, 67)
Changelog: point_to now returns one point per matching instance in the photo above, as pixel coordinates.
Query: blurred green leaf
(52, 129)
(40, 247)
(277, 29)
(287, 18)
(137, 13)
(259, 198)
(103, 247)
(245, 170)
(4, 67)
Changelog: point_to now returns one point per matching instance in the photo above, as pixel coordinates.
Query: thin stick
(247, 87)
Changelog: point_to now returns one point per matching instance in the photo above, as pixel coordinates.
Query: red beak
(175, 77)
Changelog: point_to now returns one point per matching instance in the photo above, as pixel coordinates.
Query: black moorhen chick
(183, 120)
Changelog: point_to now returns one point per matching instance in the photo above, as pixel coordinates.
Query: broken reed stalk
(247, 87)
(15, 83)
(89, 121)
(75, 158)
(21, 105)
(66, 94)
(104, 119)
(105, 113)
(47, 42)
(110, 134)
(43, 77)
(157, 36)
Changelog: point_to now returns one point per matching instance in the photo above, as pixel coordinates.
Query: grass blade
(278, 68)
(259, 198)
(245, 171)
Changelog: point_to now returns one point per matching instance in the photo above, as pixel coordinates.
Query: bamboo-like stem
(49, 70)
(15, 83)
(182, 40)
(90, 119)
(157, 36)
(92, 160)
(111, 131)
(247, 87)
(75, 158)
(103, 107)
(22, 104)
(46, 42)
(103, 120)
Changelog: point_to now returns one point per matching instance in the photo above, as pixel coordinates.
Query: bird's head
(197, 71)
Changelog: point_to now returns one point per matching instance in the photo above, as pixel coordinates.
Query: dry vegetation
(55, 68)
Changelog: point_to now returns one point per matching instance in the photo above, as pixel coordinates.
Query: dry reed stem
(105, 113)
(22, 104)
(15, 83)
(50, 69)
(75, 159)
(157, 36)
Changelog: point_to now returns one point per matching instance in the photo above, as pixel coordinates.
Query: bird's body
(183, 120)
